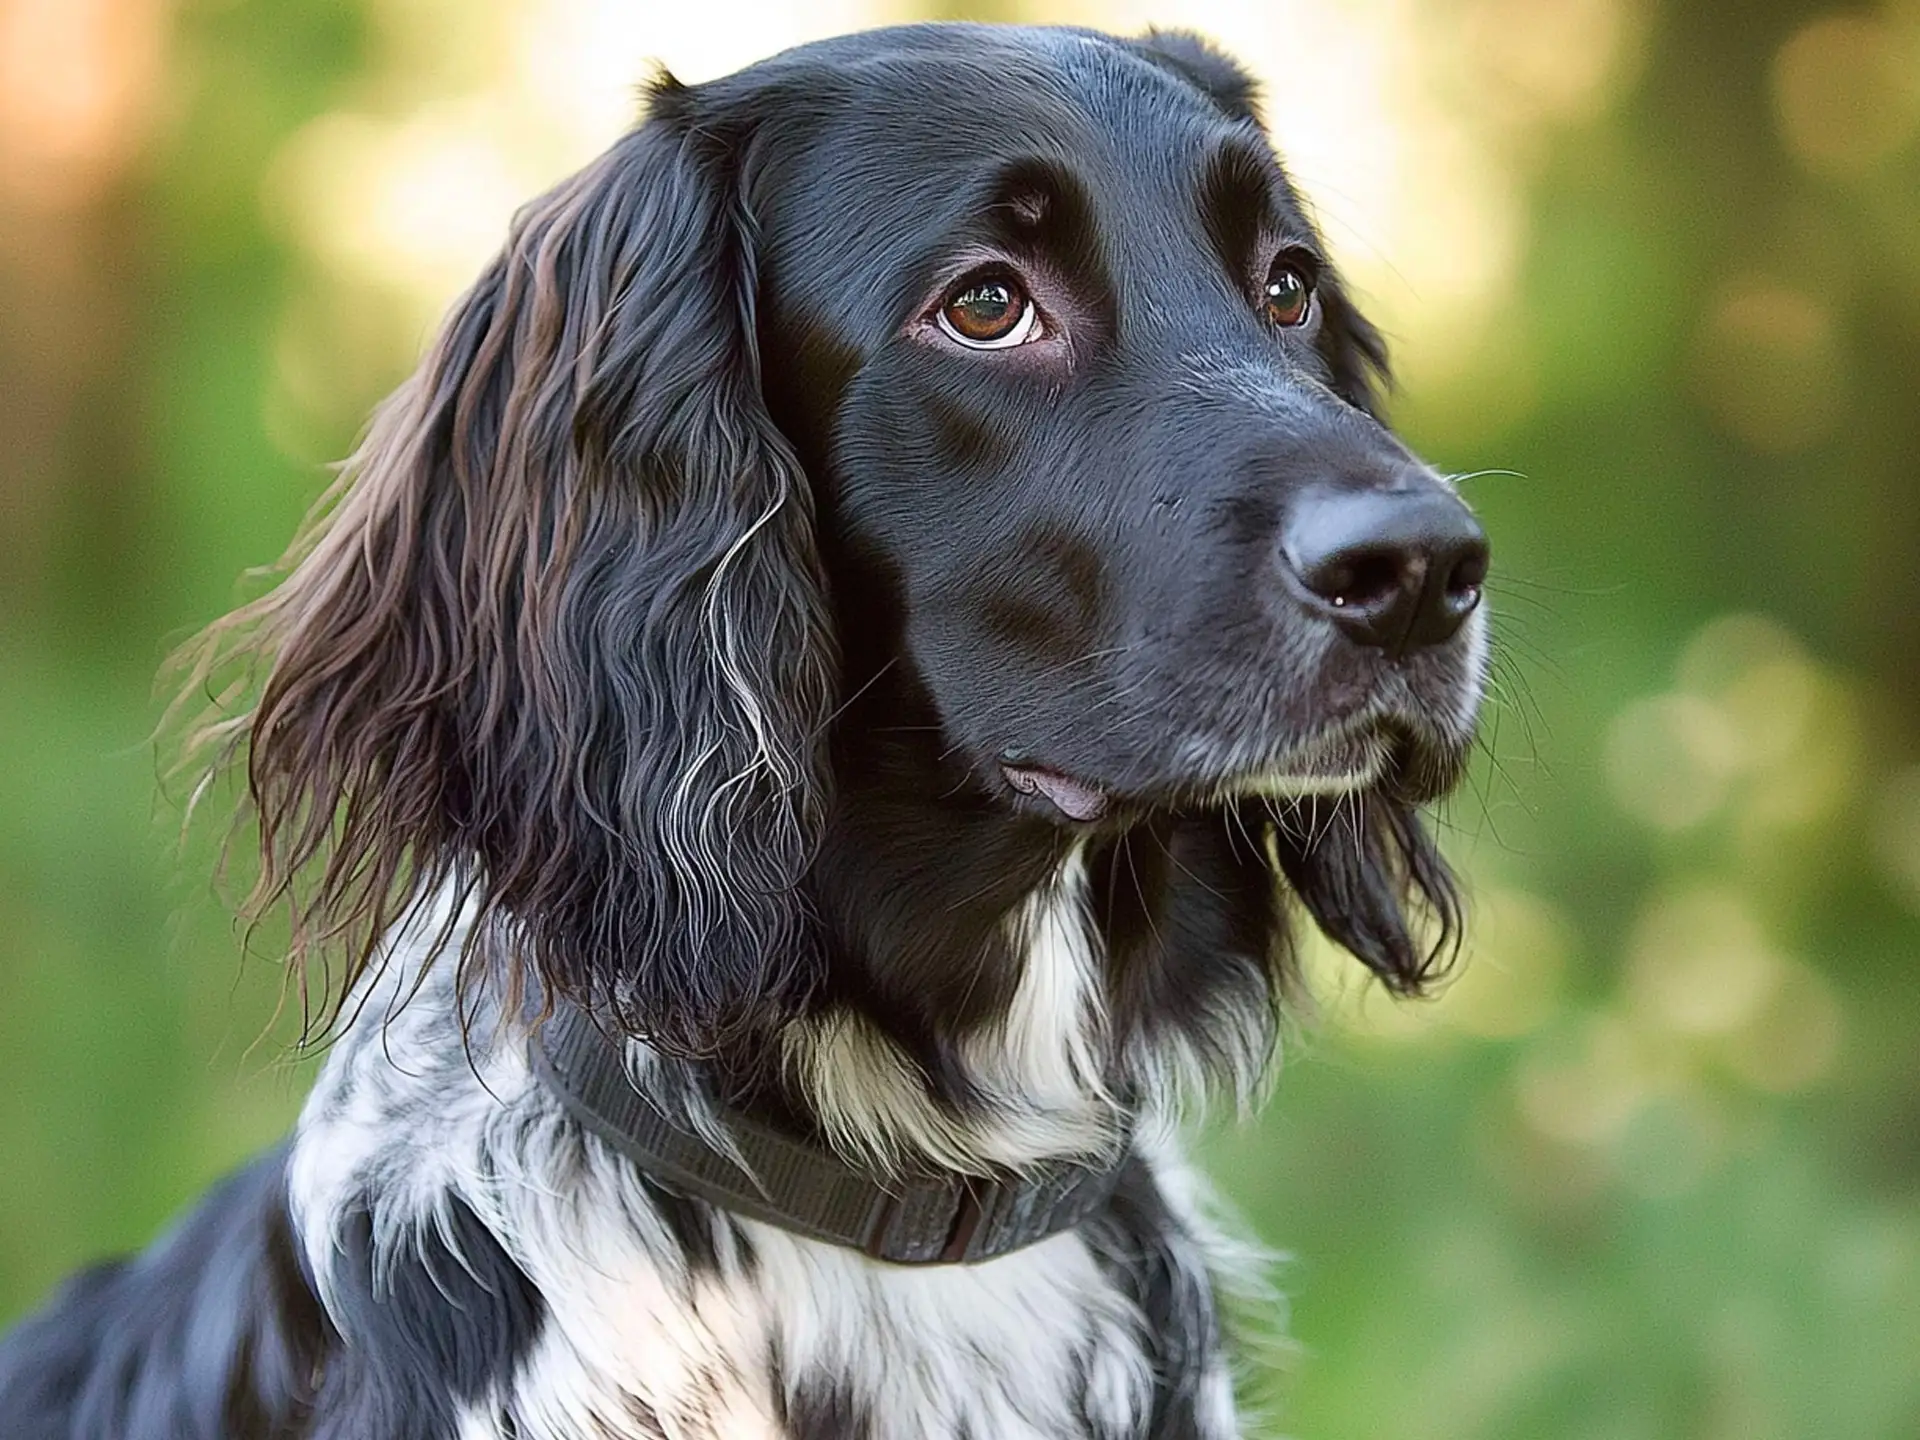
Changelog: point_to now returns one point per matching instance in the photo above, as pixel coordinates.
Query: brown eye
(989, 315)
(1289, 294)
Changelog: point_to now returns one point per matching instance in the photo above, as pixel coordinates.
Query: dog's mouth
(1342, 761)
(1075, 799)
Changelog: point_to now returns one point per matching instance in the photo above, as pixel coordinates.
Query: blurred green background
(1651, 1168)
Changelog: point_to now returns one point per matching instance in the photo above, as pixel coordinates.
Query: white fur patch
(1479, 661)
(638, 1343)
(1040, 1071)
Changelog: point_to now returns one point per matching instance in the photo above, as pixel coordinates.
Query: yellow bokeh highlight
(1509, 981)
(1794, 1039)
(1703, 967)
(1709, 1005)
(1670, 759)
(1585, 1085)
(79, 87)
(419, 206)
(1753, 729)
(1846, 92)
(1699, 963)
(469, 109)
(1542, 60)
(1768, 364)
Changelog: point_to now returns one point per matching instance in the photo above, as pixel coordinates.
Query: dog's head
(953, 421)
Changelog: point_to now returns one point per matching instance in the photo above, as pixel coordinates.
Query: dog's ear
(1354, 350)
(561, 642)
(1206, 67)
(1370, 876)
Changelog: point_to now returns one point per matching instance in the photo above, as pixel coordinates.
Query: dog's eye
(1289, 293)
(989, 315)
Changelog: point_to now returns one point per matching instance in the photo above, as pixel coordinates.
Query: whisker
(1461, 477)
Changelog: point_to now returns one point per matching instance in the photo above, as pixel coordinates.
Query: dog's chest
(806, 1340)
(638, 1316)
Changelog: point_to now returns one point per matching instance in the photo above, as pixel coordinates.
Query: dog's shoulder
(212, 1333)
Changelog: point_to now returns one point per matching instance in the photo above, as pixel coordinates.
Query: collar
(766, 1175)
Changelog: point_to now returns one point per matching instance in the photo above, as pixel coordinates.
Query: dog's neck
(1002, 988)
(1026, 1076)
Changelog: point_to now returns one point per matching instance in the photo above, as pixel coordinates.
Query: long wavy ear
(1368, 873)
(560, 643)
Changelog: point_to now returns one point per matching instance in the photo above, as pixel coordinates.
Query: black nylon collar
(931, 1220)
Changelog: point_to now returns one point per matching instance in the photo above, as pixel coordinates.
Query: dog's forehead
(919, 103)
(878, 150)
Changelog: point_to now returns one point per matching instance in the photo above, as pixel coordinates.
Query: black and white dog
(810, 719)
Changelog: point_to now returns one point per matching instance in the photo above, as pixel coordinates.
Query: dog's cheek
(1047, 604)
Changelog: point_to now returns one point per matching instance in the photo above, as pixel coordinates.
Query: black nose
(1395, 568)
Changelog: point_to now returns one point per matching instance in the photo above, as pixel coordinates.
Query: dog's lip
(1341, 762)
(1073, 798)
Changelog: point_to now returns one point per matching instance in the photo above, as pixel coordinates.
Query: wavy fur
(559, 639)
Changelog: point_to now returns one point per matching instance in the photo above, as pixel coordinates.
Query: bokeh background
(1651, 1168)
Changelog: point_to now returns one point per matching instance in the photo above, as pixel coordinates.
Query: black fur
(831, 1413)
(213, 1333)
(1135, 1240)
(422, 1330)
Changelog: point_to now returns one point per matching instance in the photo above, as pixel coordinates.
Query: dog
(814, 720)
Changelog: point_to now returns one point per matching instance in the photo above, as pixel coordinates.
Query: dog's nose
(1399, 569)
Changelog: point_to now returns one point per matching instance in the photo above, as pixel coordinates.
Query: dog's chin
(1341, 763)
(1382, 757)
